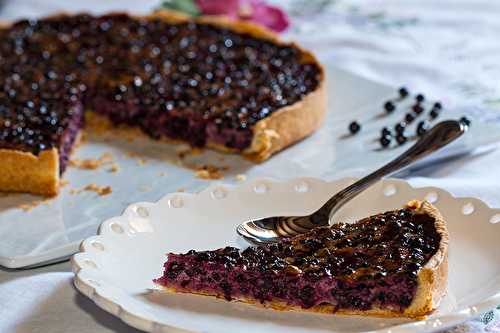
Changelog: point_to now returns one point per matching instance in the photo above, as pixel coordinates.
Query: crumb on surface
(64, 182)
(161, 174)
(91, 163)
(87, 164)
(182, 152)
(30, 205)
(241, 177)
(209, 172)
(180, 189)
(101, 190)
(140, 160)
(114, 168)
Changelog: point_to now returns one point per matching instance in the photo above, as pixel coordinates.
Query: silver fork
(272, 229)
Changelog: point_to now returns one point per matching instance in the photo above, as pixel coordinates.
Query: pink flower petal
(249, 10)
(217, 7)
(271, 17)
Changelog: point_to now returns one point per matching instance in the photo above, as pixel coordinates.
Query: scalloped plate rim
(444, 321)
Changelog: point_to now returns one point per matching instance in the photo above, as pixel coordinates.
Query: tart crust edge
(25, 172)
(432, 278)
(431, 281)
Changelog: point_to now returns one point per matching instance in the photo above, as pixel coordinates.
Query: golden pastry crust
(431, 281)
(433, 276)
(25, 172)
(40, 175)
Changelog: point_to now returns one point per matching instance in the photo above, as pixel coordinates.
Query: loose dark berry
(418, 109)
(401, 139)
(466, 121)
(385, 140)
(386, 131)
(354, 127)
(389, 107)
(422, 128)
(409, 118)
(400, 127)
(420, 98)
(434, 113)
(403, 92)
(437, 105)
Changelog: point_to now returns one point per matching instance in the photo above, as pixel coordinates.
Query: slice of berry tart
(392, 264)
(212, 82)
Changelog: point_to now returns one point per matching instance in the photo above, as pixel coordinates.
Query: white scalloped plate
(116, 268)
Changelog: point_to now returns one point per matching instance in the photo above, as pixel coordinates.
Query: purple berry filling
(371, 263)
(196, 82)
(69, 137)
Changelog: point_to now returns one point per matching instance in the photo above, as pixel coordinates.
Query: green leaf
(185, 6)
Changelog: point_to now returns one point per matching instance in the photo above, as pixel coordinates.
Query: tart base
(326, 308)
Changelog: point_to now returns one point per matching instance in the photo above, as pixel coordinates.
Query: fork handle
(439, 136)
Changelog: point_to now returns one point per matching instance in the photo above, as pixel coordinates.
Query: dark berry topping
(420, 98)
(401, 139)
(385, 140)
(354, 127)
(403, 92)
(389, 107)
(422, 128)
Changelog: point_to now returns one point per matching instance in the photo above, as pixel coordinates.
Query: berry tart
(210, 82)
(392, 264)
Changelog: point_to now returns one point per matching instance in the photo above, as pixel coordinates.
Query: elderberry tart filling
(374, 263)
(197, 82)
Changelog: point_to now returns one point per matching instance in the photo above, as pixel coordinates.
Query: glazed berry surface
(190, 81)
(373, 262)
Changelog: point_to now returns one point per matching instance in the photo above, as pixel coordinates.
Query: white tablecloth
(446, 49)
